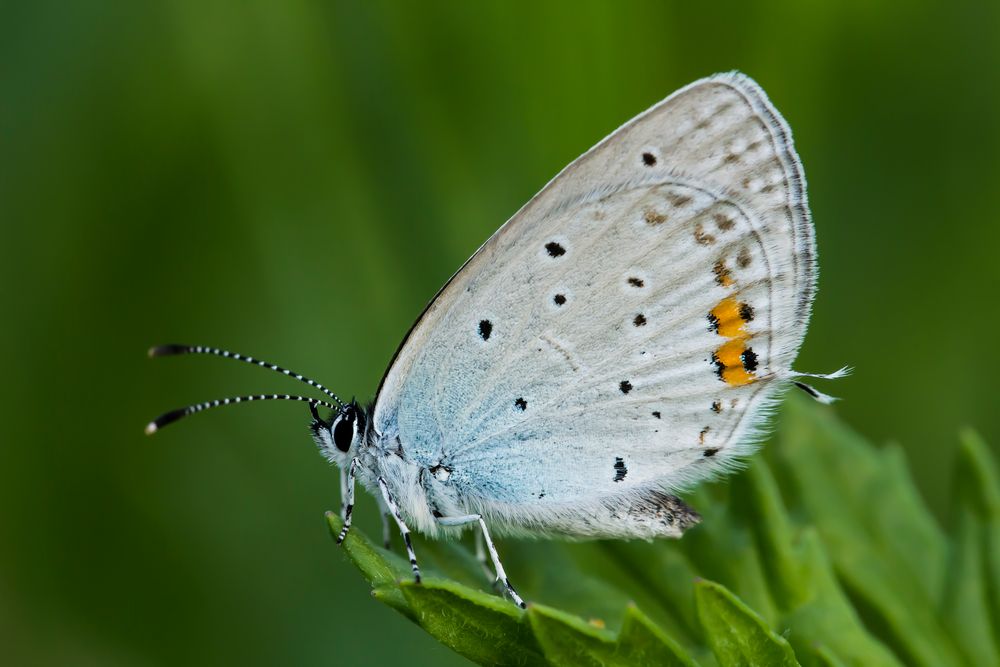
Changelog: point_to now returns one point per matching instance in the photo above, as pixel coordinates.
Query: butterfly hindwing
(619, 335)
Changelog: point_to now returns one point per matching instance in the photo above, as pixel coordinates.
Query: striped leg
(391, 504)
(501, 574)
(348, 500)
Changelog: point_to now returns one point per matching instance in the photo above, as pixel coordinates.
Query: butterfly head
(339, 437)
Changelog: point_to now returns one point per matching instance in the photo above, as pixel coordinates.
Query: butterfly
(621, 338)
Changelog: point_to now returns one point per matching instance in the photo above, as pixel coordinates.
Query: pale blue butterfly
(618, 340)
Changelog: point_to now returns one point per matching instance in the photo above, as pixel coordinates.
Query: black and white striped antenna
(174, 350)
(174, 415)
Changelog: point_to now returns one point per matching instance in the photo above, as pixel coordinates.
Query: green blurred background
(295, 179)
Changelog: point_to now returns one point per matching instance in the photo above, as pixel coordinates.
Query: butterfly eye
(344, 429)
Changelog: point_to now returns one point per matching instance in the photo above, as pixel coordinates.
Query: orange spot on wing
(729, 353)
(737, 376)
(727, 313)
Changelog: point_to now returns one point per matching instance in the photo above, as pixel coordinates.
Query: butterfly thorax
(422, 491)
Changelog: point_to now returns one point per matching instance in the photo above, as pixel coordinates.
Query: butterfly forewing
(620, 333)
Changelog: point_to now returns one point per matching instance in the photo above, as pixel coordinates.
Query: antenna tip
(151, 428)
(167, 350)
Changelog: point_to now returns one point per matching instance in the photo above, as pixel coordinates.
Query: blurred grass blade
(826, 625)
(762, 511)
(882, 541)
(969, 605)
(801, 579)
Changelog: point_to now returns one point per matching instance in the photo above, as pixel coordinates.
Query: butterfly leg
(348, 500)
(481, 557)
(343, 495)
(481, 554)
(497, 565)
(402, 526)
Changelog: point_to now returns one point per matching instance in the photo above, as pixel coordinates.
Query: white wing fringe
(816, 394)
(843, 372)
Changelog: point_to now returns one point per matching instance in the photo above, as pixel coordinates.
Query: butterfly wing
(620, 334)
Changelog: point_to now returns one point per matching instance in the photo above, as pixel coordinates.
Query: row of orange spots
(734, 360)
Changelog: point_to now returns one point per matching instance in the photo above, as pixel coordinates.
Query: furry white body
(567, 380)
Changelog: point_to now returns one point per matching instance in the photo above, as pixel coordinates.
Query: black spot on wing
(620, 469)
(749, 359)
(625, 386)
(485, 329)
(554, 249)
(521, 404)
(559, 299)
(649, 159)
(640, 320)
(636, 282)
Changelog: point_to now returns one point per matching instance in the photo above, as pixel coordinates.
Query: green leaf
(821, 553)
(381, 568)
(482, 627)
(568, 640)
(641, 642)
(739, 636)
